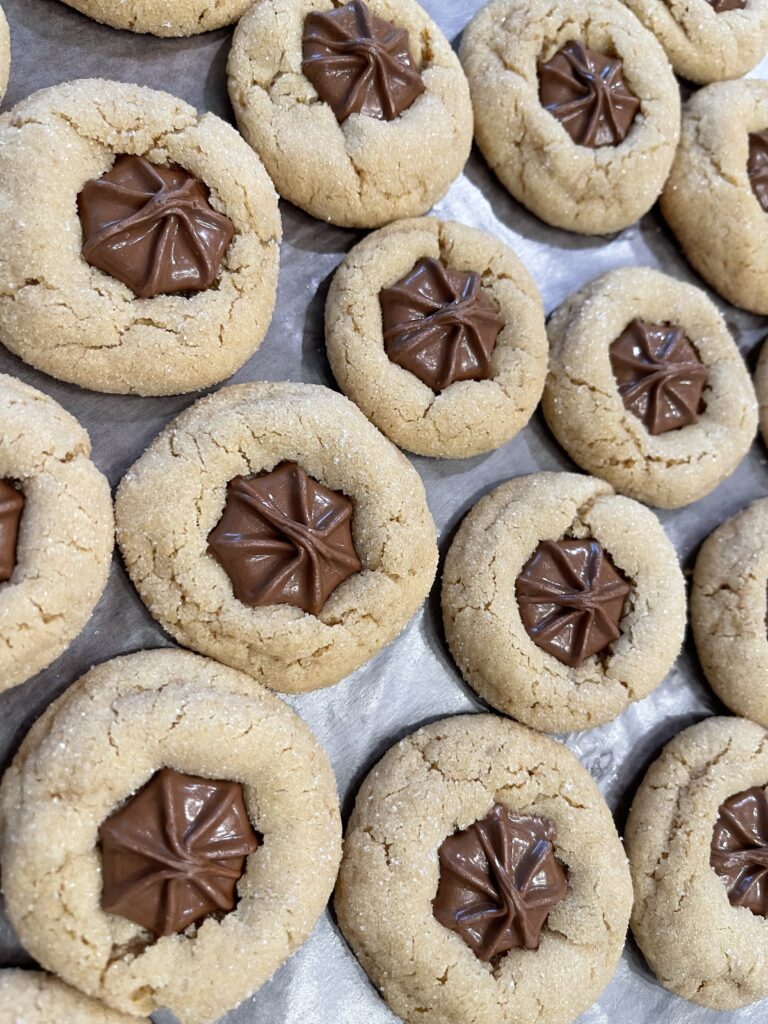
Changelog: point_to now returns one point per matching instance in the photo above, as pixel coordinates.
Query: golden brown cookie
(562, 169)
(709, 200)
(647, 388)
(699, 942)
(56, 531)
(360, 168)
(442, 779)
(466, 416)
(175, 495)
(729, 604)
(543, 670)
(163, 17)
(91, 751)
(80, 324)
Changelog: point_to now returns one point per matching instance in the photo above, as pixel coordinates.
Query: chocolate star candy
(11, 508)
(285, 539)
(757, 167)
(175, 852)
(571, 599)
(439, 324)
(152, 228)
(740, 849)
(587, 93)
(720, 6)
(360, 64)
(499, 880)
(661, 378)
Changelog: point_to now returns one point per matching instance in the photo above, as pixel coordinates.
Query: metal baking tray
(414, 680)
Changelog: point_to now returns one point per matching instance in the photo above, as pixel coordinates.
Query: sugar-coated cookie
(696, 838)
(436, 331)
(272, 527)
(729, 602)
(56, 531)
(32, 997)
(159, 295)
(647, 387)
(163, 17)
(716, 197)
(562, 602)
(170, 835)
(576, 109)
(360, 143)
(708, 40)
(542, 931)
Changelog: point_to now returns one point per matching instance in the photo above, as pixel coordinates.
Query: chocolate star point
(360, 64)
(739, 853)
(284, 538)
(499, 880)
(587, 92)
(153, 228)
(439, 325)
(721, 6)
(661, 378)
(757, 167)
(571, 599)
(173, 855)
(11, 509)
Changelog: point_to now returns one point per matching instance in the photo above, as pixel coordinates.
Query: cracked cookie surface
(591, 191)
(468, 417)
(364, 172)
(163, 17)
(66, 533)
(705, 45)
(729, 602)
(483, 625)
(95, 747)
(31, 997)
(708, 200)
(443, 778)
(81, 325)
(586, 413)
(172, 498)
(698, 945)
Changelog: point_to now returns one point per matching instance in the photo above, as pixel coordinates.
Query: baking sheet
(414, 681)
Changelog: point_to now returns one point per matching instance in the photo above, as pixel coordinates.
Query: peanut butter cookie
(436, 331)
(56, 531)
(483, 879)
(576, 109)
(272, 527)
(562, 602)
(146, 261)
(170, 835)
(360, 111)
(163, 17)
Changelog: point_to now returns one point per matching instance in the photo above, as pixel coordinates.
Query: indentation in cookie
(284, 538)
(587, 92)
(11, 510)
(153, 228)
(499, 880)
(571, 599)
(439, 324)
(660, 376)
(174, 853)
(360, 64)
